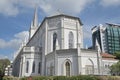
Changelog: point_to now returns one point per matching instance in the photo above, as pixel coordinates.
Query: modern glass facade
(108, 37)
(113, 38)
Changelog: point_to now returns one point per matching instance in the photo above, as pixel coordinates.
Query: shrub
(80, 77)
(108, 77)
(83, 77)
(10, 78)
(39, 78)
(60, 78)
(25, 78)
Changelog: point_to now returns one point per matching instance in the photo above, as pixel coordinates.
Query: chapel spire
(35, 19)
(34, 24)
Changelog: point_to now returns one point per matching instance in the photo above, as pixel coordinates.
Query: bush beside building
(81, 77)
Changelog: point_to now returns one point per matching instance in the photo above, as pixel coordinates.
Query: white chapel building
(55, 48)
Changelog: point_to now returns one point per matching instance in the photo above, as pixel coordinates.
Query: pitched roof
(106, 55)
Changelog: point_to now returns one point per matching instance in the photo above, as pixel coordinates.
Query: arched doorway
(67, 67)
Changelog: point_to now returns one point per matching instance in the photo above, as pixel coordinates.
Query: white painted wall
(86, 56)
(106, 64)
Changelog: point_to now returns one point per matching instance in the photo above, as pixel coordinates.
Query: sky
(16, 17)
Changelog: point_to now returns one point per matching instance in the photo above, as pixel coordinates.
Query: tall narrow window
(67, 65)
(33, 68)
(54, 41)
(27, 66)
(71, 38)
(39, 67)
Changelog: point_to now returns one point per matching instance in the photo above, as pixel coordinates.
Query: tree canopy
(117, 54)
(3, 64)
(115, 68)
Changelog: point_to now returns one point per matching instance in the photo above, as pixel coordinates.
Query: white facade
(55, 48)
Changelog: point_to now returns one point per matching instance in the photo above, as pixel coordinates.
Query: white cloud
(110, 2)
(65, 6)
(8, 7)
(22, 35)
(15, 42)
(13, 7)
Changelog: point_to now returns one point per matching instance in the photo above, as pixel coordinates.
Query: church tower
(34, 24)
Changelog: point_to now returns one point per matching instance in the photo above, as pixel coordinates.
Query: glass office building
(113, 38)
(108, 37)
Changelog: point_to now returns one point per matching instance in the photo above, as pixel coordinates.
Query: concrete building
(8, 70)
(56, 48)
(108, 37)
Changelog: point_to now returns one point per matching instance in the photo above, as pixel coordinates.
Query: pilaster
(79, 50)
(45, 51)
(62, 33)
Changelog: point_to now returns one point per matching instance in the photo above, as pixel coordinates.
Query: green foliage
(117, 54)
(40, 78)
(60, 78)
(81, 77)
(3, 64)
(25, 78)
(108, 78)
(115, 68)
(9, 78)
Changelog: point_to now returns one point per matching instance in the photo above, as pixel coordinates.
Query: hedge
(81, 77)
(9, 78)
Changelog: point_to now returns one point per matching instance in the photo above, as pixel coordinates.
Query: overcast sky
(16, 16)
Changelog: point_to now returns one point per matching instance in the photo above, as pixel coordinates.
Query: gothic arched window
(39, 67)
(27, 66)
(67, 66)
(54, 41)
(71, 38)
(33, 68)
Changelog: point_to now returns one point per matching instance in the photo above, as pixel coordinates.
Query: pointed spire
(35, 19)
(34, 24)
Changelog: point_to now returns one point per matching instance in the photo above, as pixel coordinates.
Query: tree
(117, 54)
(115, 68)
(3, 64)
